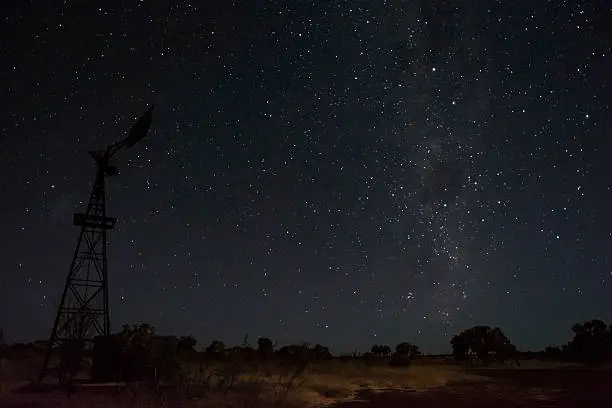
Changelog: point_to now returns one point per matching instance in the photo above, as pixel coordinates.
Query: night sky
(340, 172)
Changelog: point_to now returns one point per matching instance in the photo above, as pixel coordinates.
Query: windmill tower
(83, 310)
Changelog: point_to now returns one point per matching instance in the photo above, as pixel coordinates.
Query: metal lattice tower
(83, 312)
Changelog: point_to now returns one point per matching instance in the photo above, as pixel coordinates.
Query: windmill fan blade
(140, 128)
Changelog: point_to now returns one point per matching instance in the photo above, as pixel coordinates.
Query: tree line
(591, 343)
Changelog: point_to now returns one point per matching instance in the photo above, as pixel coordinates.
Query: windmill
(83, 310)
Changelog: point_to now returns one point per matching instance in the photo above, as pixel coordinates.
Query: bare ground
(357, 386)
(506, 388)
(266, 384)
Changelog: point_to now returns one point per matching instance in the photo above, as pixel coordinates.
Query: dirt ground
(429, 386)
(506, 388)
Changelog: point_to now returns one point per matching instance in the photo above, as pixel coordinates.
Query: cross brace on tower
(83, 312)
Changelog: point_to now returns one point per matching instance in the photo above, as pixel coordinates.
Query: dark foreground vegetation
(141, 368)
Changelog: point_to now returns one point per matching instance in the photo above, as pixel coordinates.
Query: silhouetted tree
(283, 352)
(296, 352)
(553, 352)
(381, 350)
(592, 342)
(482, 341)
(565, 350)
(138, 329)
(320, 352)
(242, 353)
(186, 343)
(186, 347)
(461, 346)
(502, 347)
(136, 339)
(405, 353)
(216, 349)
(265, 347)
(407, 349)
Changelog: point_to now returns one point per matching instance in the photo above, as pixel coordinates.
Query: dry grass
(247, 385)
(14, 372)
(332, 382)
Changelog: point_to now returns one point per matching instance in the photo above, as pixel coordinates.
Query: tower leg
(83, 311)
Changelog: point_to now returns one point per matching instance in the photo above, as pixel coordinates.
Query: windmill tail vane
(140, 128)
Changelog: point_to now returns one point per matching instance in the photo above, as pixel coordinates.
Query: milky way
(345, 173)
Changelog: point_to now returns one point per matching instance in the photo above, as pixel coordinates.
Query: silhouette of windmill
(83, 310)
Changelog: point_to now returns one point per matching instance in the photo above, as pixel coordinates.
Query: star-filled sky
(341, 172)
